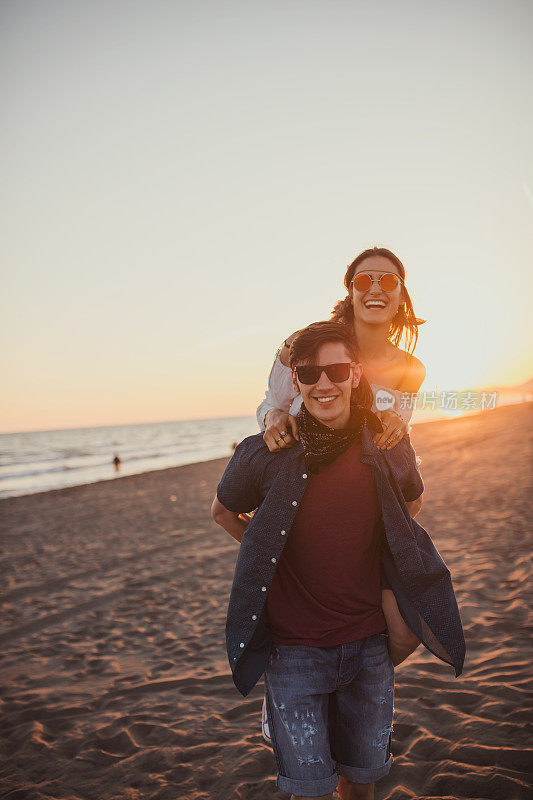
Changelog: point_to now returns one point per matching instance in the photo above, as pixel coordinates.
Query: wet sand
(115, 681)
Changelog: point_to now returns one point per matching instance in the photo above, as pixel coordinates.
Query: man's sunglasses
(363, 281)
(310, 373)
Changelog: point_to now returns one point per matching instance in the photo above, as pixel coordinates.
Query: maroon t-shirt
(327, 587)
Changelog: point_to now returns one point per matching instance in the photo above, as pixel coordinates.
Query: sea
(41, 460)
(37, 461)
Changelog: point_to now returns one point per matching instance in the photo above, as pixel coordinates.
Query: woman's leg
(265, 730)
(402, 641)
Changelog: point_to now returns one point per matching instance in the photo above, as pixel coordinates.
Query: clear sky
(182, 185)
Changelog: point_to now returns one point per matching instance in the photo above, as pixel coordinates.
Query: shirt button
(254, 616)
(241, 644)
(304, 475)
(283, 533)
(294, 503)
(273, 560)
(263, 588)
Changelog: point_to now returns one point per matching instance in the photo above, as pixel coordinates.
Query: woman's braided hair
(404, 323)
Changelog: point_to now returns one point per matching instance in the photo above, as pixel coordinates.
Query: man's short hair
(307, 342)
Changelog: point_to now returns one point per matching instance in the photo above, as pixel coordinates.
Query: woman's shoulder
(414, 372)
(285, 347)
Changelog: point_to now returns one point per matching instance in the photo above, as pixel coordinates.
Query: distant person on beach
(334, 519)
(116, 462)
(379, 312)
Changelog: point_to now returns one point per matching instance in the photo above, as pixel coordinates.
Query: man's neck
(339, 423)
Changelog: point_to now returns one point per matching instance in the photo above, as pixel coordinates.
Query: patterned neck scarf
(322, 445)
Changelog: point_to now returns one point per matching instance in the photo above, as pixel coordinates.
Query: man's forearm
(232, 523)
(235, 526)
(414, 506)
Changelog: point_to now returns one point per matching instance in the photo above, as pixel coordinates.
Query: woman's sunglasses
(310, 373)
(363, 281)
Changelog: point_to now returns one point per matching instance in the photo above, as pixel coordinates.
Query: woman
(380, 312)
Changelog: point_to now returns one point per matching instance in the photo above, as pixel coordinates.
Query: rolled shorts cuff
(307, 788)
(360, 775)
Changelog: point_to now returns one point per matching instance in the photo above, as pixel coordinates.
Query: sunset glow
(181, 189)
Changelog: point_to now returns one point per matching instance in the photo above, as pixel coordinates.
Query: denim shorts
(330, 713)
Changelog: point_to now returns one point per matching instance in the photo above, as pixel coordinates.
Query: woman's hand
(281, 430)
(394, 429)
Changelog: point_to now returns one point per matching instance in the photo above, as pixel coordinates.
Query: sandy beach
(115, 681)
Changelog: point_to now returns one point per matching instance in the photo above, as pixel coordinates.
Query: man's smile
(327, 399)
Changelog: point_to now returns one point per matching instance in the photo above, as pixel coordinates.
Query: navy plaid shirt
(274, 484)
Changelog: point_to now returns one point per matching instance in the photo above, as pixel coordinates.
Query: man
(305, 607)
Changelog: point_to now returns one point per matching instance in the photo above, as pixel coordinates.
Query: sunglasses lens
(362, 282)
(337, 373)
(389, 282)
(308, 374)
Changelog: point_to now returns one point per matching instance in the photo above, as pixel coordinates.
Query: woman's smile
(374, 307)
